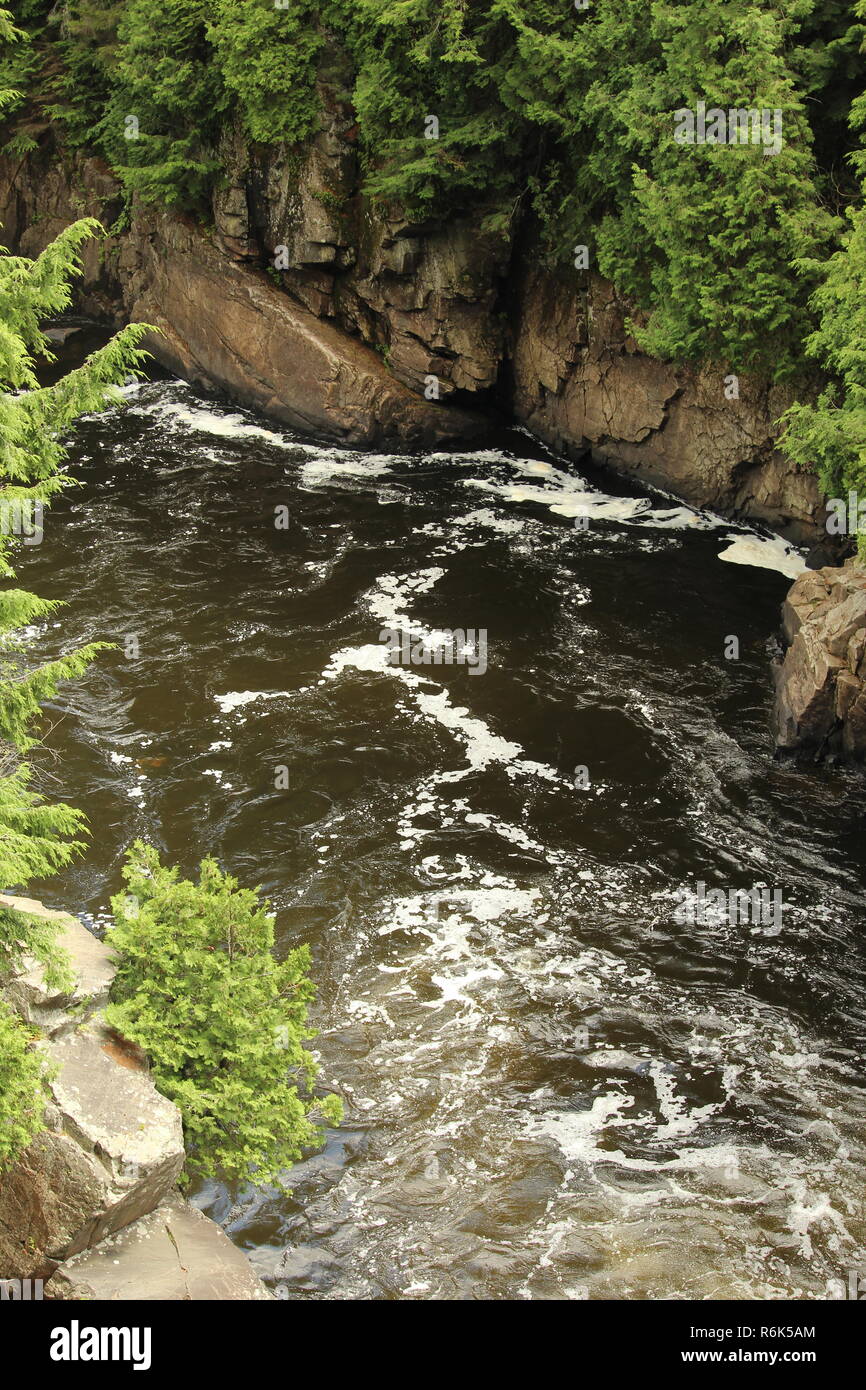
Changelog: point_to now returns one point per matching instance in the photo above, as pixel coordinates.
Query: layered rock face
(821, 684)
(332, 315)
(708, 437)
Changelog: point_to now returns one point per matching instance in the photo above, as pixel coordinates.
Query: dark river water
(554, 1089)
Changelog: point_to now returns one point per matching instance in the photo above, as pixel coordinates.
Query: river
(553, 1088)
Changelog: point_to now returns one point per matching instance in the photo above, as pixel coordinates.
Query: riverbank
(92, 1208)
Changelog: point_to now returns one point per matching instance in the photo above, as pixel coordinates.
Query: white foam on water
(372, 656)
(765, 552)
(466, 460)
(482, 747)
(484, 516)
(563, 493)
(236, 699)
(334, 465)
(224, 426)
(570, 497)
(389, 600)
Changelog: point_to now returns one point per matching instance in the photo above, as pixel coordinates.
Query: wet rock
(821, 684)
(112, 1152)
(308, 1267)
(611, 1060)
(57, 1011)
(174, 1253)
(221, 323)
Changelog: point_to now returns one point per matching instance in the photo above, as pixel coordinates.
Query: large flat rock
(55, 1011)
(112, 1109)
(174, 1254)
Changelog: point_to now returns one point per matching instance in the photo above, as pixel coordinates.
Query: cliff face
(579, 376)
(306, 302)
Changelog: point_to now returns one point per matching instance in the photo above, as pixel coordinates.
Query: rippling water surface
(552, 1090)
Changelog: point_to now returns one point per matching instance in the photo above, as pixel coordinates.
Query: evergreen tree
(161, 121)
(830, 433)
(222, 1021)
(21, 1089)
(36, 837)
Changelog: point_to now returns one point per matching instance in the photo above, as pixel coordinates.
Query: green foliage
(37, 838)
(163, 77)
(22, 1091)
(832, 432)
(708, 238)
(224, 1023)
(569, 114)
(267, 57)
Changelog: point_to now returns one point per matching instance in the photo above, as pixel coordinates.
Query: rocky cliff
(305, 301)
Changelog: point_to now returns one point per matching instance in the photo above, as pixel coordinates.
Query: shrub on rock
(223, 1022)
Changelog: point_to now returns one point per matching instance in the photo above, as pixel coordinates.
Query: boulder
(307, 1267)
(821, 684)
(51, 1009)
(46, 1201)
(173, 1254)
(112, 1152)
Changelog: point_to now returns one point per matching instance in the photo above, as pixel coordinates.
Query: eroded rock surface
(361, 309)
(579, 378)
(222, 323)
(821, 684)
